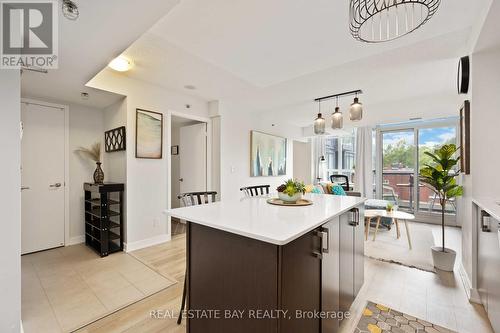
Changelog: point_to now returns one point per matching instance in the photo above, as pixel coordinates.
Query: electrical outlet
(233, 169)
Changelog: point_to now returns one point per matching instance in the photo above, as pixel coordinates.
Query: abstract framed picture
(148, 134)
(268, 155)
(465, 138)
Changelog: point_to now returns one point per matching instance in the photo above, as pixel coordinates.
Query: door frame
(65, 109)
(208, 121)
(450, 220)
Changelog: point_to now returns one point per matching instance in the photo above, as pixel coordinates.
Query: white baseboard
(76, 240)
(132, 246)
(471, 292)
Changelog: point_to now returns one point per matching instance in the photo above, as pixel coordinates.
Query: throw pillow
(336, 189)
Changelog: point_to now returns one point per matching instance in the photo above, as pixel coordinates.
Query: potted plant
(291, 191)
(390, 207)
(440, 176)
(94, 153)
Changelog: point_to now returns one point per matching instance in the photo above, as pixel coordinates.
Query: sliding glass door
(400, 155)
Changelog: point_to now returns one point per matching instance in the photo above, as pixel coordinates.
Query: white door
(193, 158)
(42, 178)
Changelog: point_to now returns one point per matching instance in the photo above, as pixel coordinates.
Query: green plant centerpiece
(440, 176)
(291, 191)
(390, 207)
(93, 153)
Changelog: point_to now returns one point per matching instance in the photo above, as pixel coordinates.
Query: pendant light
(356, 110)
(337, 117)
(319, 122)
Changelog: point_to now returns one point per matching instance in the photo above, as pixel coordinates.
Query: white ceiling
(266, 42)
(277, 56)
(103, 31)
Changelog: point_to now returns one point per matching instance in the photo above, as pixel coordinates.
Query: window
(340, 155)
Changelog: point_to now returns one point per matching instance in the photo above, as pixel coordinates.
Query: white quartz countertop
(255, 218)
(489, 205)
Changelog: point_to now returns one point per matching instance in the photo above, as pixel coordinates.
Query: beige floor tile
(138, 275)
(152, 284)
(41, 323)
(84, 312)
(120, 297)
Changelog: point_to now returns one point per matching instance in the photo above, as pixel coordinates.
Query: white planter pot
(444, 261)
(289, 199)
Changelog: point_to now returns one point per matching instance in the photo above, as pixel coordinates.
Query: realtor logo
(29, 34)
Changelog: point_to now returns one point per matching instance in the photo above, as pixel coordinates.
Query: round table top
(395, 214)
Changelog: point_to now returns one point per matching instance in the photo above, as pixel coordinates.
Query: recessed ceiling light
(84, 95)
(190, 87)
(120, 64)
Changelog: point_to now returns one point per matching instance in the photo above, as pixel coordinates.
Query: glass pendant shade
(319, 125)
(337, 119)
(356, 110)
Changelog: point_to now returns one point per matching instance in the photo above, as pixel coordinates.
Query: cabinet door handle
(485, 221)
(354, 221)
(318, 255)
(325, 238)
(55, 185)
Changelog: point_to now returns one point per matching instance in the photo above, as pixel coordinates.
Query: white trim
(206, 120)
(129, 247)
(76, 240)
(66, 158)
(472, 293)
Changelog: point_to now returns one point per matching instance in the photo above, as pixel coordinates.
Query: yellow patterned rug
(378, 318)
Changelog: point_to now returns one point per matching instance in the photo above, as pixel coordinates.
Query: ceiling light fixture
(319, 122)
(120, 64)
(356, 110)
(70, 10)
(337, 119)
(375, 21)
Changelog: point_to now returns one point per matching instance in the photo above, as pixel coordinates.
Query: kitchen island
(256, 267)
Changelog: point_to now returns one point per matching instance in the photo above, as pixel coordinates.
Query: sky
(427, 137)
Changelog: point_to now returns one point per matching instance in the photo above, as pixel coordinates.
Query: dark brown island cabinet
(241, 284)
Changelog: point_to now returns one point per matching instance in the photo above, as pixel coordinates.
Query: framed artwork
(115, 139)
(268, 155)
(174, 150)
(148, 134)
(465, 138)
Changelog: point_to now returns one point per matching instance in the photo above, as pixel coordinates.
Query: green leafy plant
(389, 207)
(440, 176)
(93, 153)
(292, 187)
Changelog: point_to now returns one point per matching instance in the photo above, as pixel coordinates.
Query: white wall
(146, 179)
(302, 161)
(235, 148)
(176, 168)
(484, 149)
(10, 197)
(85, 128)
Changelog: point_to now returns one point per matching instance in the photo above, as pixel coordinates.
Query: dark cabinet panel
(346, 260)
(330, 274)
(301, 282)
(231, 272)
(359, 249)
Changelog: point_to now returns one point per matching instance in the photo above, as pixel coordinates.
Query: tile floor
(65, 288)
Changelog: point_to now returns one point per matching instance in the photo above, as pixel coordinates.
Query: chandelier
(375, 21)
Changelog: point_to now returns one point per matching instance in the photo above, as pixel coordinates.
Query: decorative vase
(98, 174)
(290, 199)
(444, 261)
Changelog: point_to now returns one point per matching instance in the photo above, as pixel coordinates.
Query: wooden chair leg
(367, 227)
(376, 227)
(398, 232)
(183, 304)
(408, 234)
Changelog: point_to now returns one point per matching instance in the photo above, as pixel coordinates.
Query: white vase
(444, 261)
(289, 199)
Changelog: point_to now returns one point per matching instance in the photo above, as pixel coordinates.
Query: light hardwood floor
(438, 298)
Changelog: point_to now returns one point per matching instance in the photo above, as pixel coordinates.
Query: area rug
(388, 248)
(67, 288)
(377, 318)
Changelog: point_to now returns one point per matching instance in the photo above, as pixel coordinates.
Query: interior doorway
(43, 176)
(189, 161)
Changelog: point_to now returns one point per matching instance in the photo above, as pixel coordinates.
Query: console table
(104, 217)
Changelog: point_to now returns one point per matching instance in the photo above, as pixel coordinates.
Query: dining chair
(252, 191)
(193, 199)
(342, 180)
